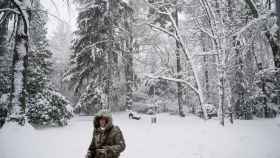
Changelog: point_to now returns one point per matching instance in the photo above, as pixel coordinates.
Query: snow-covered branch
(173, 80)
(212, 52)
(163, 30)
(207, 32)
(251, 24)
(92, 45)
(24, 9)
(9, 10)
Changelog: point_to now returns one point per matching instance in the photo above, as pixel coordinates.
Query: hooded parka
(107, 142)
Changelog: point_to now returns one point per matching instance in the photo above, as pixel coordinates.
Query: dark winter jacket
(106, 143)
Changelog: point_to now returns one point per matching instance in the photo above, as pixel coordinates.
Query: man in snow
(107, 140)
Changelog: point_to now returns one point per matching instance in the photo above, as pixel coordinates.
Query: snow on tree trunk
(18, 100)
(200, 93)
(216, 26)
(3, 32)
(129, 67)
(129, 81)
(179, 85)
(221, 74)
(19, 68)
(4, 70)
(110, 56)
(3, 47)
(179, 68)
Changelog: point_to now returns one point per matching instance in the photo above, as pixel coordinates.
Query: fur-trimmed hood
(107, 115)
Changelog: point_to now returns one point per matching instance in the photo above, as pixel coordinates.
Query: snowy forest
(209, 62)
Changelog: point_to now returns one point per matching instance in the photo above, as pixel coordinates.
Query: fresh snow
(171, 137)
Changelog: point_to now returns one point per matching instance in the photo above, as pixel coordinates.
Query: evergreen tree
(88, 63)
(60, 46)
(99, 42)
(45, 105)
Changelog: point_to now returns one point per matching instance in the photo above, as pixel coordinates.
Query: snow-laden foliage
(99, 52)
(266, 100)
(60, 46)
(87, 62)
(48, 108)
(45, 106)
(91, 101)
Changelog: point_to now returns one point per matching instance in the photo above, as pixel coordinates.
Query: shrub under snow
(49, 109)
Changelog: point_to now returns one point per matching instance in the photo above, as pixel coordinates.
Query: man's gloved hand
(106, 147)
(101, 151)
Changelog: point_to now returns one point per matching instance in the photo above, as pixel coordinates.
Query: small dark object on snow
(133, 115)
(3, 115)
(182, 114)
(154, 119)
(210, 109)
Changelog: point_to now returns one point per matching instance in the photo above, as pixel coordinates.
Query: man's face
(102, 122)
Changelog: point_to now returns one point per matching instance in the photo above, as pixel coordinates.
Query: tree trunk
(179, 69)
(129, 81)
(215, 22)
(179, 84)
(3, 45)
(129, 67)
(4, 69)
(19, 73)
(18, 93)
(110, 58)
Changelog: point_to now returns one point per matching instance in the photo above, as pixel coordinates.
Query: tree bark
(110, 57)
(129, 65)
(215, 22)
(179, 69)
(19, 73)
(4, 68)
(18, 93)
(3, 43)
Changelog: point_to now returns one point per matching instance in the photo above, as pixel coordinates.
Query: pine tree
(60, 46)
(88, 62)
(96, 51)
(39, 65)
(46, 107)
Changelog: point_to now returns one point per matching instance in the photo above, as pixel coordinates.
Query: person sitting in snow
(107, 140)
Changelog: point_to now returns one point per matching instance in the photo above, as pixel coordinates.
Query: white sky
(59, 11)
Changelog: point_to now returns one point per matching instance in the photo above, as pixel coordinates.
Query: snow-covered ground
(171, 137)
